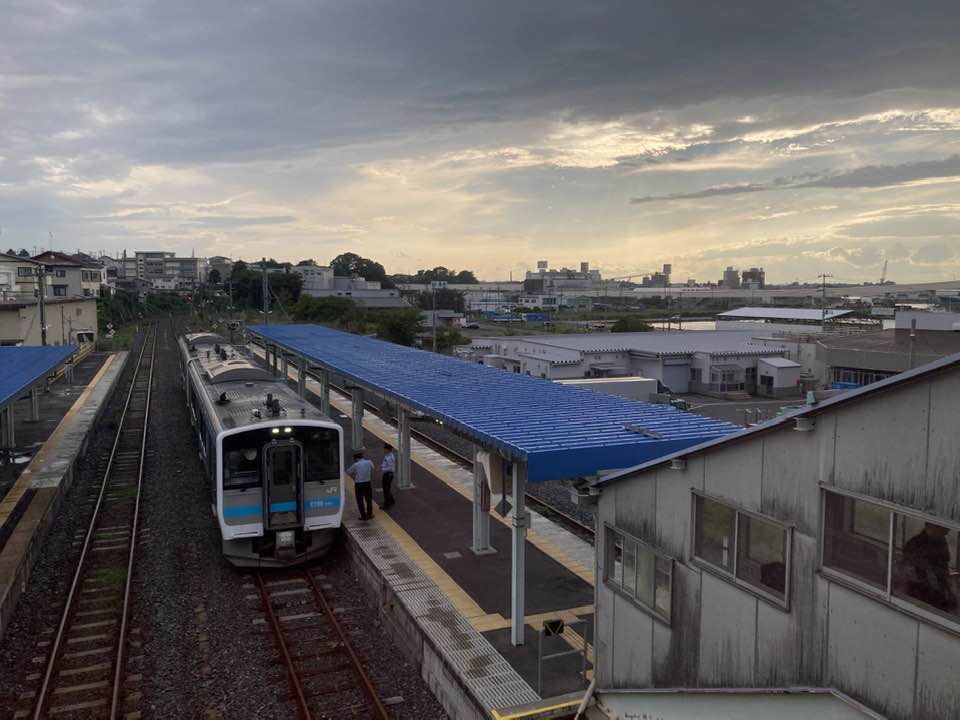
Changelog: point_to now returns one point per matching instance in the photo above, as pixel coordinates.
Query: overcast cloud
(805, 137)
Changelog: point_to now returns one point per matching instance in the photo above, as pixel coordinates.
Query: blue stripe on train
(289, 506)
(323, 503)
(242, 510)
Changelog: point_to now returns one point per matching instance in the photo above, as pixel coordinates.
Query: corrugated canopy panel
(21, 367)
(561, 431)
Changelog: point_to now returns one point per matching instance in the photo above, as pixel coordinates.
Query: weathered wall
(899, 445)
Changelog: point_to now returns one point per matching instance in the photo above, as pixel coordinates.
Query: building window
(746, 548)
(60, 290)
(910, 560)
(60, 272)
(637, 570)
(24, 272)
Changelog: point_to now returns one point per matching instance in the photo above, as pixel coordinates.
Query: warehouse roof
(946, 364)
(559, 430)
(788, 314)
(23, 366)
(651, 343)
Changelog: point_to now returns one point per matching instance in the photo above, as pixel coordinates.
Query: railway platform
(450, 607)
(56, 443)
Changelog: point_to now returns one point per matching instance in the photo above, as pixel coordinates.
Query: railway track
(87, 672)
(323, 671)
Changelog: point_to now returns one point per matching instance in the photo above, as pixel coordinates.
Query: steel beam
(11, 439)
(404, 476)
(481, 516)
(356, 400)
(521, 520)
(34, 404)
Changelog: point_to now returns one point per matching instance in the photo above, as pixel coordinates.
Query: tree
(351, 264)
(466, 277)
(399, 326)
(302, 263)
(214, 277)
(631, 324)
(447, 299)
(323, 310)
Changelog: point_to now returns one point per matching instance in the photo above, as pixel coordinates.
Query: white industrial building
(320, 281)
(709, 362)
(819, 550)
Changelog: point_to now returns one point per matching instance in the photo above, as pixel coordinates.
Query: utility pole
(823, 300)
(266, 292)
(42, 295)
(434, 284)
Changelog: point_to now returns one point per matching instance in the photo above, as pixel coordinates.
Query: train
(273, 462)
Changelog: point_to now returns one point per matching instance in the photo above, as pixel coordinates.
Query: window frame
(731, 575)
(611, 531)
(886, 595)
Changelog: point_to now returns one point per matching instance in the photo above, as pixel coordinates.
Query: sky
(806, 138)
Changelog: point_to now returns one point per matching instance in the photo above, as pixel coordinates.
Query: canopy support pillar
(325, 392)
(404, 476)
(356, 400)
(481, 507)
(9, 437)
(34, 404)
(284, 366)
(521, 521)
(301, 377)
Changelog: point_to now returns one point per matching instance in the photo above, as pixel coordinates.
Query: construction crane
(883, 277)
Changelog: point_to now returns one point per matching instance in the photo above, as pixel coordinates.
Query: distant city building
(709, 362)
(658, 279)
(69, 276)
(162, 269)
(731, 278)
(320, 281)
(223, 266)
(564, 277)
(753, 279)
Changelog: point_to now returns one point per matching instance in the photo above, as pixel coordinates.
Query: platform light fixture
(678, 464)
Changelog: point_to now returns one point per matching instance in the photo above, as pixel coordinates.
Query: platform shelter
(23, 369)
(540, 430)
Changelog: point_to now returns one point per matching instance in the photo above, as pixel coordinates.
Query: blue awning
(21, 367)
(560, 431)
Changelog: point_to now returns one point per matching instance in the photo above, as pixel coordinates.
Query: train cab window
(241, 466)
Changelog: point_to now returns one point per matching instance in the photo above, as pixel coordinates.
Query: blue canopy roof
(21, 367)
(559, 430)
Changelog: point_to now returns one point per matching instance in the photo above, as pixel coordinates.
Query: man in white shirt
(387, 468)
(362, 473)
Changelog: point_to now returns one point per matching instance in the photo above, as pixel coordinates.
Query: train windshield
(243, 455)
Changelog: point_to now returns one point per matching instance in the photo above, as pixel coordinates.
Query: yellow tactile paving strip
(10, 500)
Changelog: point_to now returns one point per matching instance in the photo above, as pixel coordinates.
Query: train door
(283, 486)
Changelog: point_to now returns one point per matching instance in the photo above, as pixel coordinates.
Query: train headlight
(275, 431)
(288, 430)
(285, 538)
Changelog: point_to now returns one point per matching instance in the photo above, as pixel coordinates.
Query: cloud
(870, 176)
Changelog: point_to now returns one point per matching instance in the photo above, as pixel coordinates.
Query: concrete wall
(19, 323)
(896, 445)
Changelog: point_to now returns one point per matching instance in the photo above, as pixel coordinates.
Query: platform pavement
(437, 515)
(43, 483)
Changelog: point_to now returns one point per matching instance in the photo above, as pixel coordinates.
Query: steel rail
(118, 672)
(42, 695)
(379, 708)
(302, 706)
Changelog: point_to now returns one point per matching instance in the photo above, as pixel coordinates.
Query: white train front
(274, 463)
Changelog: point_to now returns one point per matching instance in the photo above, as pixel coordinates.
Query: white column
(11, 436)
(519, 532)
(404, 476)
(481, 517)
(325, 392)
(34, 404)
(283, 367)
(302, 377)
(273, 365)
(356, 399)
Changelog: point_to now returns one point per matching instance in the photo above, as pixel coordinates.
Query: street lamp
(434, 286)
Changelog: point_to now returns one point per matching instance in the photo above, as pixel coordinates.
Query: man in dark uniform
(927, 559)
